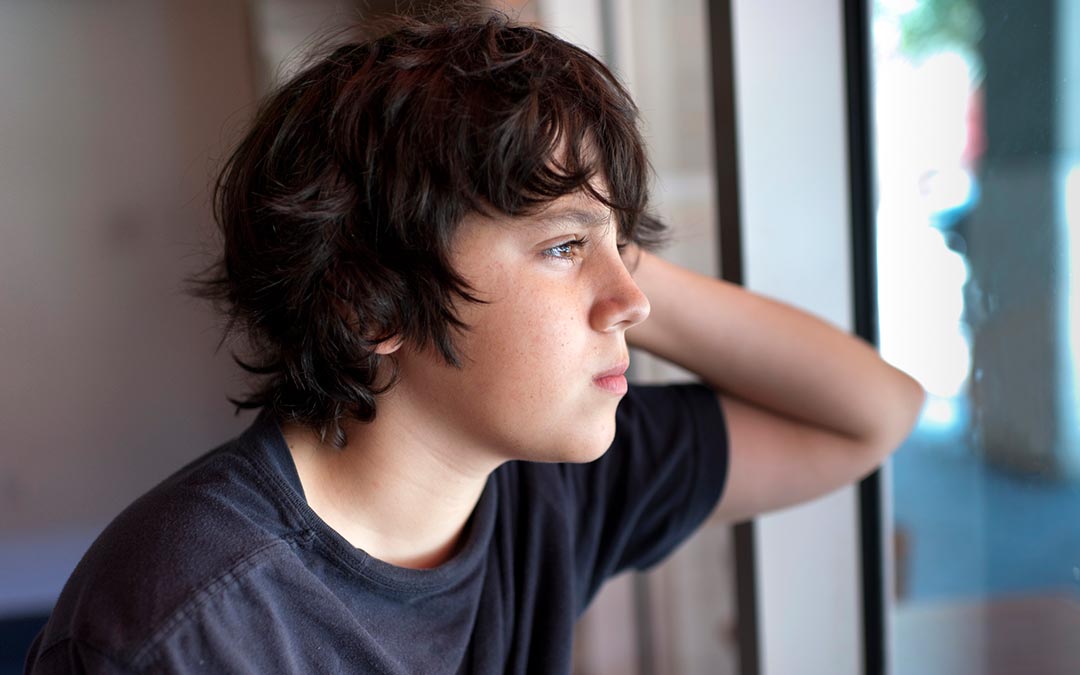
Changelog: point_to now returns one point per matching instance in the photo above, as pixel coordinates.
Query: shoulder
(669, 407)
(178, 545)
(658, 426)
(663, 473)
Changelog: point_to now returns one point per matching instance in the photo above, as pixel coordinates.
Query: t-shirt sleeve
(662, 476)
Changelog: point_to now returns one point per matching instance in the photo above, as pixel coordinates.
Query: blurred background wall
(112, 119)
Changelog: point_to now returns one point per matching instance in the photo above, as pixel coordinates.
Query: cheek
(528, 332)
(525, 387)
(523, 355)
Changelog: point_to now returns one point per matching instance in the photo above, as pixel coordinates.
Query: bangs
(513, 119)
(559, 131)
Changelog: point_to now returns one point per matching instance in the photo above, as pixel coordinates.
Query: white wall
(792, 138)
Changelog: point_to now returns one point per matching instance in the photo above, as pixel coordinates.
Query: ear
(388, 346)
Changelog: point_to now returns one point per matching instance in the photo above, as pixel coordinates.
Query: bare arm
(809, 407)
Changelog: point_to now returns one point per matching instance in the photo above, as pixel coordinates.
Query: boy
(436, 243)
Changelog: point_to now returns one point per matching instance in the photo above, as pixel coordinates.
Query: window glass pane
(977, 114)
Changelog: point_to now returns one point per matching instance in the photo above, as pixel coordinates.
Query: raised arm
(809, 408)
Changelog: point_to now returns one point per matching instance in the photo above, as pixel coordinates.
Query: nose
(620, 303)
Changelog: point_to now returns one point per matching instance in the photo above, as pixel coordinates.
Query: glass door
(976, 116)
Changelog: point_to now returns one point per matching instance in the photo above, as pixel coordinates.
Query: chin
(594, 436)
(588, 450)
(592, 457)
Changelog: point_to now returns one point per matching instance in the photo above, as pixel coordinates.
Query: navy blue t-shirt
(223, 567)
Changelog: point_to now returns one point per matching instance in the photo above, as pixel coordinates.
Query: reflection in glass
(977, 115)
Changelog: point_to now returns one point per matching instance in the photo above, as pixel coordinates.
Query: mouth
(613, 380)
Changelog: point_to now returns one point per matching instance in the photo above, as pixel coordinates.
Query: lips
(612, 380)
(619, 369)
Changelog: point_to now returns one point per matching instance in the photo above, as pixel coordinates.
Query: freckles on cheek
(529, 323)
(544, 320)
(534, 340)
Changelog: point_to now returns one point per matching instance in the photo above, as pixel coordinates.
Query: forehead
(570, 212)
(578, 214)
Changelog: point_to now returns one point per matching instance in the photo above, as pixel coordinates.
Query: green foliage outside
(938, 25)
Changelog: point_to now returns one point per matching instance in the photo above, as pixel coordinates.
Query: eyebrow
(589, 219)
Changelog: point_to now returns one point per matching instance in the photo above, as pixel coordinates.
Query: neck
(402, 492)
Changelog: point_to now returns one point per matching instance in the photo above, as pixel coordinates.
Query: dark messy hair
(338, 207)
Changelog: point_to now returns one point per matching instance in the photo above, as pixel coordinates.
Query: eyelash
(572, 245)
(575, 245)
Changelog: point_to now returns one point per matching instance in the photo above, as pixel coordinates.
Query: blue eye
(565, 250)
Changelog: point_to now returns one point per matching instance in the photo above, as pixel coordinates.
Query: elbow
(900, 414)
(913, 400)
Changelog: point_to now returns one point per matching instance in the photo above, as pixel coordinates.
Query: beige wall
(112, 119)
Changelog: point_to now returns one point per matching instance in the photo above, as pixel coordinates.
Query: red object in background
(975, 144)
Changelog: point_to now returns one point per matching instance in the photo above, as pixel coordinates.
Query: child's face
(557, 317)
